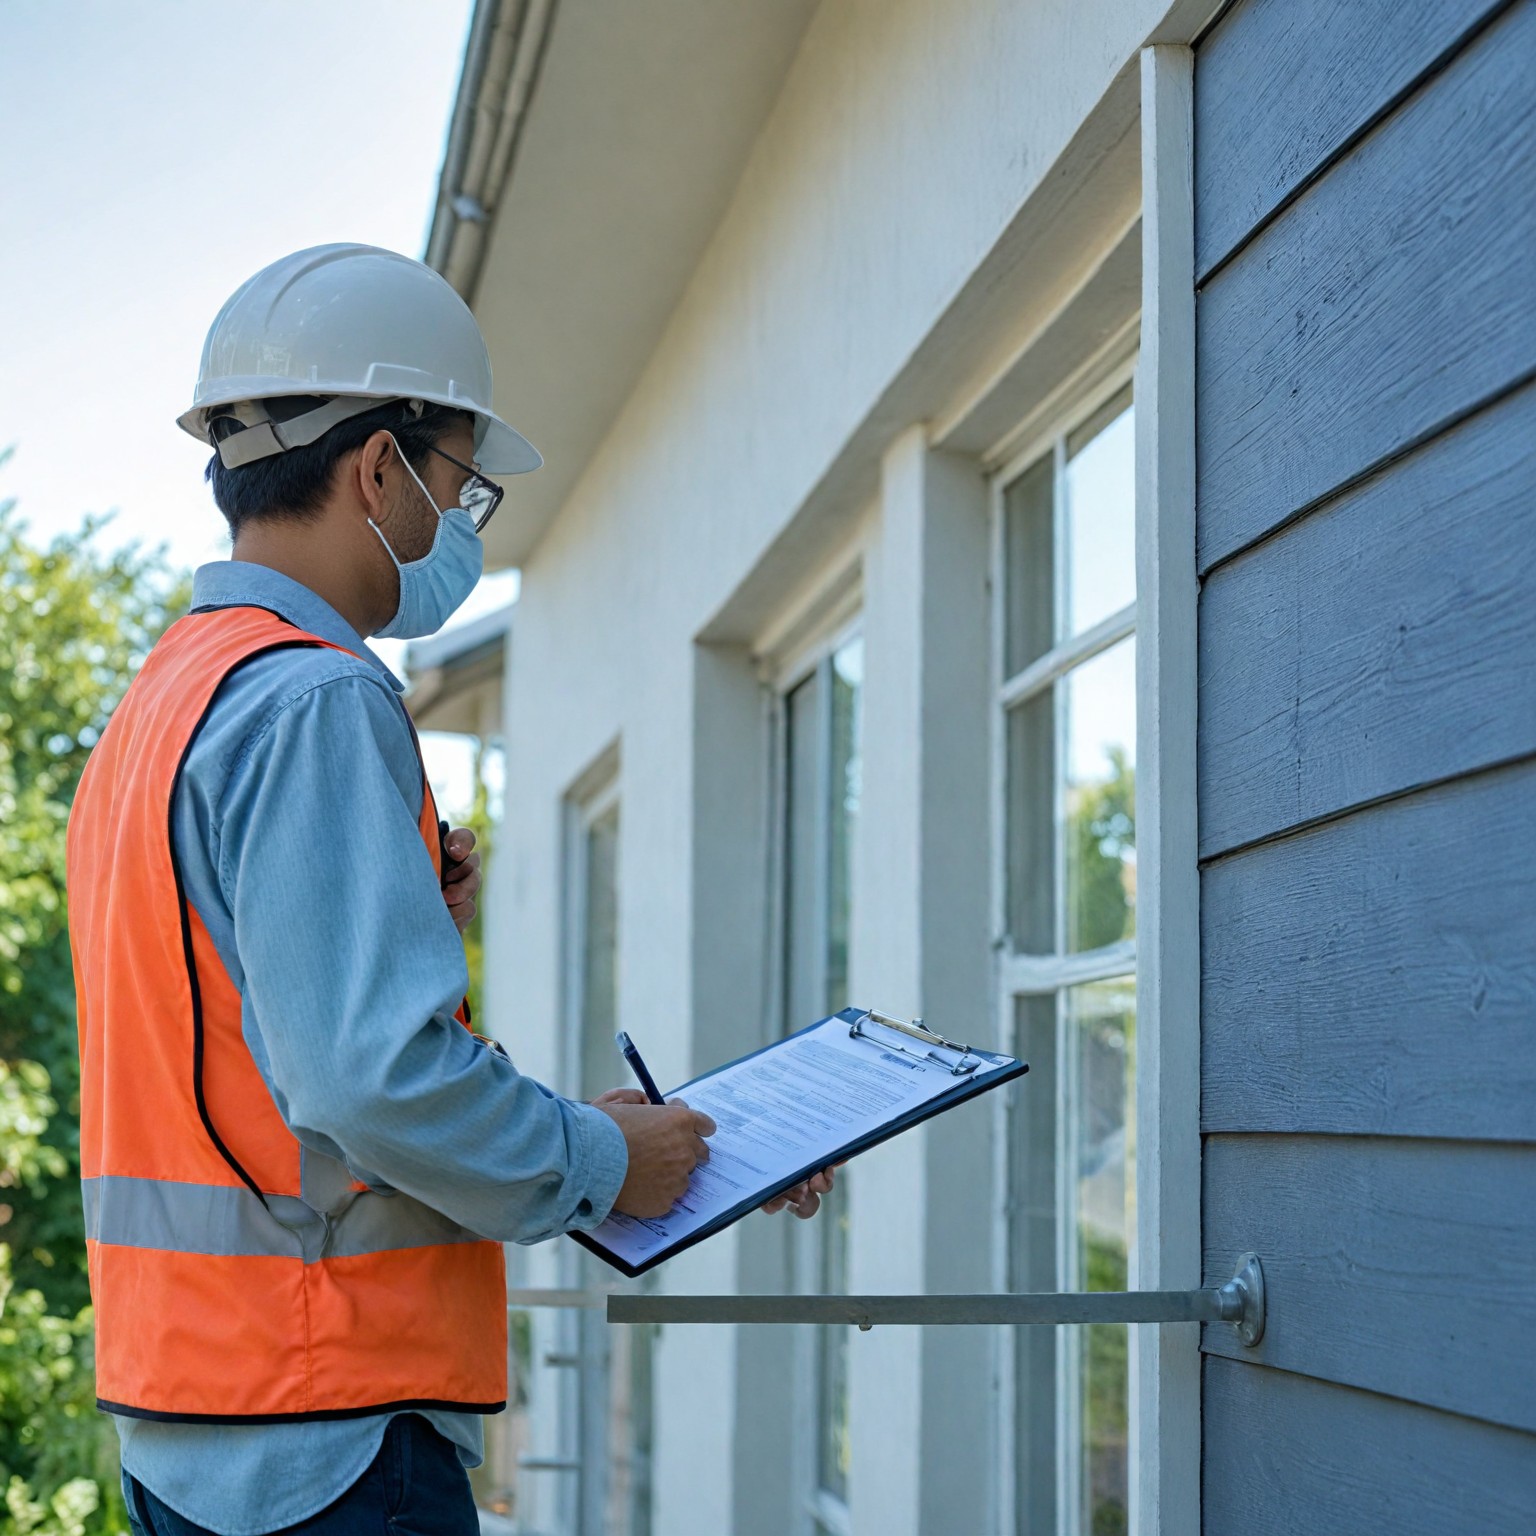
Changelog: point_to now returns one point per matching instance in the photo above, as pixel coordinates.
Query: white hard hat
(359, 325)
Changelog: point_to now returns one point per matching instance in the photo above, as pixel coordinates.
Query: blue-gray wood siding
(1365, 183)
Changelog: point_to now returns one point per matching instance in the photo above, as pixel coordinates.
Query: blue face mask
(432, 587)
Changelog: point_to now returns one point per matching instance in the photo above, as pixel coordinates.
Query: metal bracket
(1239, 1302)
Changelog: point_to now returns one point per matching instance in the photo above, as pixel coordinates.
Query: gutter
(507, 43)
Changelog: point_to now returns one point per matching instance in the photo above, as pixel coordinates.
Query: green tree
(1101, 899)
(76, 621)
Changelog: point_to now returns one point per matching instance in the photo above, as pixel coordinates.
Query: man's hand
(665, 1145)
(461, 878)
(804, 1199)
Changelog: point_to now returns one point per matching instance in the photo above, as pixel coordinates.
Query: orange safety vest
(237, 1277)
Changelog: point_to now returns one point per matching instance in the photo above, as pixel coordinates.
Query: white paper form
(783, 1110)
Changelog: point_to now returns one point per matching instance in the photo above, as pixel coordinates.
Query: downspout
(507, 43)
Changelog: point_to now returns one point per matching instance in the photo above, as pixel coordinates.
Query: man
(299, 1161)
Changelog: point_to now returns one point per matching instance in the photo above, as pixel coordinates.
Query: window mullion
(1070, 653)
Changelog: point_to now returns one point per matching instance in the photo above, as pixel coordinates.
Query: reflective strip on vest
(227, 1219)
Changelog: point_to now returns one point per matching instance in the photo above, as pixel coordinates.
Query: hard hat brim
(503, 450)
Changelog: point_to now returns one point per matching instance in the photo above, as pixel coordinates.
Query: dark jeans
(415, 1486)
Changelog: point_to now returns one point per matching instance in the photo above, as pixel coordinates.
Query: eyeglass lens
(479, 498)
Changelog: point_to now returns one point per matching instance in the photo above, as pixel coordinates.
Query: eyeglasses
(479, 497)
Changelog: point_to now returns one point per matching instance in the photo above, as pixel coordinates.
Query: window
(1066, 896)
(611, 1399)
(820, 757)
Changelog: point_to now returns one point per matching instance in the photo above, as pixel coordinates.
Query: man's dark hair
(292, 486)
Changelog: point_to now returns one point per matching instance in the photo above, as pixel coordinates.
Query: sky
(159, 153)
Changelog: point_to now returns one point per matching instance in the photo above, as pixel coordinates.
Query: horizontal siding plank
(1377, 975)
(1391, 297)
(1402, 1267)
(1280, 88)
(1382, 643)
(1285, 1454)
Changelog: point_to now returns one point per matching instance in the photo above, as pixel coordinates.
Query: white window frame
(1098, 382)
(1165, 1360)
(589, 800)
(1165, 1422)
(833, 618)
(584, 1494)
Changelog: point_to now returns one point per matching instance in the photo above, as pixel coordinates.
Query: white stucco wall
(908, 136)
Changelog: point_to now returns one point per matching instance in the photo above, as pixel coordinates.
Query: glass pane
(1101, 799)
(847, 675)
(1100, 497)
(630, 1406)
(1101, 1024)
(803, 934)
(832, 1440)
(1031, 791)
(1029, 569)
(1032, 1263)
(599, 956)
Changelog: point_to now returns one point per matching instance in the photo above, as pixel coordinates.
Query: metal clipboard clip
(918, 1031)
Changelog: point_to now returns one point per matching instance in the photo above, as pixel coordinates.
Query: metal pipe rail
(559, 1298)
(1239, 1302)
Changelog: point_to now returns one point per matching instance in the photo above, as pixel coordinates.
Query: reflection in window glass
(615, 1404)
(822, 788)
(1069, 884)
(1032, 1262)
(847, 677)
(1028, 537)
(599, 950)
(1101, 1024)
(832, 1450)
(1100, 807)
(631, 1368)
(1032, 825)
(1100, 504)
(804, 940)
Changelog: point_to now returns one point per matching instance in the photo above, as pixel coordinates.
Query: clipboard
(976, 1072)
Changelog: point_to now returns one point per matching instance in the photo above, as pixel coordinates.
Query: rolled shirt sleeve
(353, 968)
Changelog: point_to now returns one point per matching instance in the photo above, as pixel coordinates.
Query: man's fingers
(789, 1197)
(700, 1150)
(807, 1207)
(462, 874)
(461, 842)
(620, 1096)
(702, 1124)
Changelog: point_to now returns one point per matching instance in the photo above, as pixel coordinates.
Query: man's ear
(367, 478)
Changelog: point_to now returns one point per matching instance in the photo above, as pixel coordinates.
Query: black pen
(638, 1067)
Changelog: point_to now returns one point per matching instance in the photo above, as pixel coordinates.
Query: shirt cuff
(604, 1156)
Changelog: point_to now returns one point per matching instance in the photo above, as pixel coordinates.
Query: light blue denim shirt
(296, 825)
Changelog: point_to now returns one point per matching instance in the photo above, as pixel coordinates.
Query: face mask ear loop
(385, 542)
(417, 478)
(424, 491)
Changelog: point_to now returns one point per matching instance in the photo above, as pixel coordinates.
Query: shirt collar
(243, 583)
